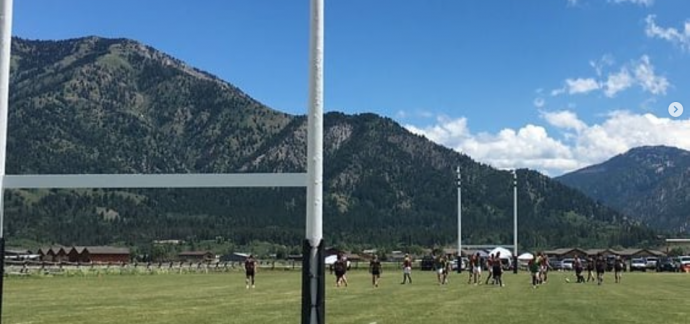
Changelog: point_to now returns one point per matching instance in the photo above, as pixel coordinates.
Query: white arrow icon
(675, 109)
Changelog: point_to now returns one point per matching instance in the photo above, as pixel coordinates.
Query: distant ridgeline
(648, 184)
(95, 105)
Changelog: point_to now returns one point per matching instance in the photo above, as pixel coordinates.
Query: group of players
(340, 268)
(493, 264)
(539, 267)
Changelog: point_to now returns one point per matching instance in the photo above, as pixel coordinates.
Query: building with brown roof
(53, 253)
(106, 254)
(196, 256)
(100, 254)
(565, 253)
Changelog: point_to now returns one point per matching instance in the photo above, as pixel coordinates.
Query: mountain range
(97, 105)
(650, 184)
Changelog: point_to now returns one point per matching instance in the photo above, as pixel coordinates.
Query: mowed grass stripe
(222, 298)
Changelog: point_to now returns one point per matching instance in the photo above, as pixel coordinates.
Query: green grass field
(222, 298)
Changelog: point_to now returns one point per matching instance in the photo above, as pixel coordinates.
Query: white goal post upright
(313, 267)
(5, 46)
(459, 184)
(515, 222)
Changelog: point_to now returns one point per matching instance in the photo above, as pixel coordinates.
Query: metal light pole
(5, 46)
(515, 222)
(459, 183)
(313, 267)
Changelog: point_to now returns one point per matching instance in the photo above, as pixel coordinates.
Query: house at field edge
(639, 253)
(558, 254)
(234, 257)
(53, 253)
(99, 254)
(196, 256)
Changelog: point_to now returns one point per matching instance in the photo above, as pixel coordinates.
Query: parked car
(651, 262)
(463, 265)
(556, 265)
(668, 265)
(638, 264)
(427, 263)
(567, 264)
(684, 263)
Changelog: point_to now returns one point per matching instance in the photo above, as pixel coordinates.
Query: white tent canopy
(526, 256)
(505, 254)
(331, 259)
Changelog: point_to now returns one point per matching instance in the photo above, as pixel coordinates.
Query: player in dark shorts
(590, 269)
(600, 267)
(250, 270)
(407, 269)
(474, 263)
(539, 259)
(490, 267)
(618, 269)
(340, 267)
(577, 264)
(534, 270)
(497, 270)
(375, 270)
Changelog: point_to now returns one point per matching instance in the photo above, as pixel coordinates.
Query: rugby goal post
(514, 246)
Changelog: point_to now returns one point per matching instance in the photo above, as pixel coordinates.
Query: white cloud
(650, 82)
(637, 72)
(599, 65)
(557, 92)
(617, 82)
(446, 130)
(581, 85)
(539, 102)
(673, 35)
(425, 114)
(564, 120)
(404, 114)
(532, 146)
(646, 3)
(648, 104)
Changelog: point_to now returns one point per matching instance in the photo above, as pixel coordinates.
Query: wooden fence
(25, 268)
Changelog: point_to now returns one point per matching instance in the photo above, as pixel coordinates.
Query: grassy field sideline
(222, 298)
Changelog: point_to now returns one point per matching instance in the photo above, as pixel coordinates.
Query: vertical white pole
(314, 231)
(515, 214)
(459, 217)
(5, 47)
(315, 127)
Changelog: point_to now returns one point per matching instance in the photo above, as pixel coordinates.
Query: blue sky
(550, 85)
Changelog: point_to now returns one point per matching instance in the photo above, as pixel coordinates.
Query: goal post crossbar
(183, 180)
